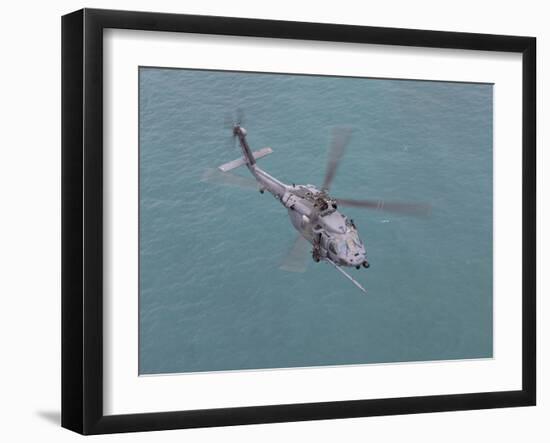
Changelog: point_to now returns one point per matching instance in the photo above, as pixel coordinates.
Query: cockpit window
(338, 246)
(347, 245)
(355, 237)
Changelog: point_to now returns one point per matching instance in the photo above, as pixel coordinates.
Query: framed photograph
(270, 221)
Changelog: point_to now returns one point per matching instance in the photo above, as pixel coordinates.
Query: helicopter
(334, 237)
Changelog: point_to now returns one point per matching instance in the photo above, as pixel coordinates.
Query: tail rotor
(231, 122)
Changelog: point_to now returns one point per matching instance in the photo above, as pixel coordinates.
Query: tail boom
(240, 132)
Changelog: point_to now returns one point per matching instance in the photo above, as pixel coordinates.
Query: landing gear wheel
(316, 253)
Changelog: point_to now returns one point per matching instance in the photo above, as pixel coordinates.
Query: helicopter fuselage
(315, 216)
(313, 213)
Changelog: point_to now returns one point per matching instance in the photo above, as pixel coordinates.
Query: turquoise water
(212, 296)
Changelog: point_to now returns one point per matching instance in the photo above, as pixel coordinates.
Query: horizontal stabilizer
(240, 161)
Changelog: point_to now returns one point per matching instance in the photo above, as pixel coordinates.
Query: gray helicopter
(313, 212)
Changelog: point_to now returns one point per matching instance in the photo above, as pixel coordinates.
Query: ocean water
(212, 296)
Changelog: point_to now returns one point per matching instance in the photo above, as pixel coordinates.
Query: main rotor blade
(297, 258)
(418, 209)
(340, 139)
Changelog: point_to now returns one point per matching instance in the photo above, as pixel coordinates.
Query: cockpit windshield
(347, 244)
(354, 237)
(339, 246)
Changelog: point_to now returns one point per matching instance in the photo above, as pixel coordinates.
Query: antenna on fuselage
(349, 277)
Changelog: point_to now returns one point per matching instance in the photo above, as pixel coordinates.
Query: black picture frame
(82, 220)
